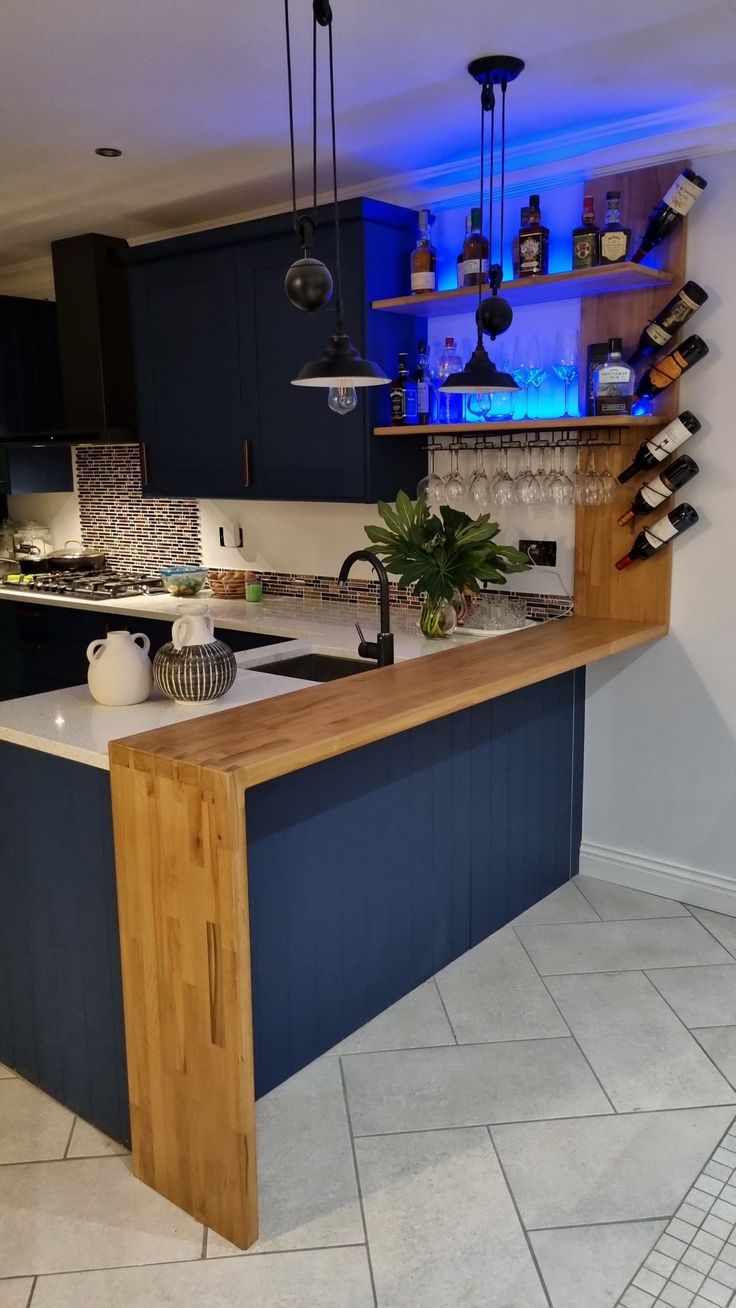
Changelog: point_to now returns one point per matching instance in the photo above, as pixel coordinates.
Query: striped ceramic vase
(194, 666)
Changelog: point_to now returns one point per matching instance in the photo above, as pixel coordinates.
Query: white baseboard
(688, 884)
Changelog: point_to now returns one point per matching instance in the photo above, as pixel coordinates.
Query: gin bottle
(613, 383)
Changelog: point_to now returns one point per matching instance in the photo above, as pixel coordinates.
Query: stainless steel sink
(315, 667)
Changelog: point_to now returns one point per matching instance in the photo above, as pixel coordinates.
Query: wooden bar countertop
(261, 741)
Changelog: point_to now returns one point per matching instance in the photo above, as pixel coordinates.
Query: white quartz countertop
(70, 724)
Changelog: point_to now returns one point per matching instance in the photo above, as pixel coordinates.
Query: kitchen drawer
(41, 620)
(61, 661)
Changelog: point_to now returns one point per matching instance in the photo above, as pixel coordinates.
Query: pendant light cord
(314, 122)
(339, 326)
(482, 193)
(291, 113)
(504, 87)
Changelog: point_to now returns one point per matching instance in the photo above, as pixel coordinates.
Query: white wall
(660, 773)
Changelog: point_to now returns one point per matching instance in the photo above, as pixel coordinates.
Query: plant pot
(437, 618)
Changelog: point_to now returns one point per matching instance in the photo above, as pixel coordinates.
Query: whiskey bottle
(424, 388)
(613, 383)
(585, 237)
(663, 530)
(655, 492)
(613, 237)
(533, 243)
(475, 253)
(672, 366)
(461, 256)
(403, 395)
(524, 217)
(659, 332)
(669, 213)
(424, 258)
(659, 447)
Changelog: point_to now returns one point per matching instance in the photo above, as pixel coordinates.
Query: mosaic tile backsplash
(140, 534)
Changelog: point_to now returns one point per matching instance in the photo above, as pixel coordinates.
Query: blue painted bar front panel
(369, 872)
(61, 1010)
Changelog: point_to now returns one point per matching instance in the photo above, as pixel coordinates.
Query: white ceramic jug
(119, 668)
(196, 626)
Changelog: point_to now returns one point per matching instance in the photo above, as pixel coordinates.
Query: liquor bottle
(670, 319)
(663, 530)
(613, 237)
(475, 253)
(424, 388)
(585, 237)
(655, 492)
(660, 447)
(449, 406)
(597, 353)
(461, 256)
(533, 243)
(515, 257)
(424, 258)
(403, 395)
(613, 382)
(672, 366)
(669, 213)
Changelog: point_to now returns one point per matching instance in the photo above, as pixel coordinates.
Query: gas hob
(85, 585)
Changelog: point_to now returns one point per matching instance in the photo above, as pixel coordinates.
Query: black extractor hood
(95, 352)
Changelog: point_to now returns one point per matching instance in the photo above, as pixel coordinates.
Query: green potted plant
(441, 554)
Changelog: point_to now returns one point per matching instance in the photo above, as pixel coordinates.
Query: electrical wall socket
(231, 536)
(541, 552)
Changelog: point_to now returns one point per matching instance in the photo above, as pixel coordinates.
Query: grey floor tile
(417, 1021)
(321, 1278)
(469, 1085)
(566, 904)
(616, 903)
(442, 1228)
(621, 946)
(308, 1194)
(494, 993)
(32, 1126)
(15, 1293)
(85, 1213)
(720, 1043)
(87, 1142)
(701, 996)
(590, 1266)
(636, 1045)
(722, 926)
(607, 1169)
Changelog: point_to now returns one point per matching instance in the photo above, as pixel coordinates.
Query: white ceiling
(193, 92)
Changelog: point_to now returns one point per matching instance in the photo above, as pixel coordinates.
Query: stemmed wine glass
(454, 484)
(526, 487)
(561, 488)
(503, 483)
(521, 370)
(565, 361)
(479, 487)
(480, 406)
(589, 489)
(542, 476)
(610, 481)
(538, 371)
(432, 487)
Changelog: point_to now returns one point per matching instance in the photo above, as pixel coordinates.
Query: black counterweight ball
(494, 316)
(308, 284)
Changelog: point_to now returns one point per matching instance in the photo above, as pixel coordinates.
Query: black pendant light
(494, 315)
(308, 282)
(341, 368)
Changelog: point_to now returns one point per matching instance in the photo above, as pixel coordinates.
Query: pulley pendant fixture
(494, 315)
(340, 369)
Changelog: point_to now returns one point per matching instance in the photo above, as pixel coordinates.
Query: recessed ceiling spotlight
(108, 152)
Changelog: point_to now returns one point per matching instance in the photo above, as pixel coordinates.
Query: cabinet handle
(144, 466)
(246, 463)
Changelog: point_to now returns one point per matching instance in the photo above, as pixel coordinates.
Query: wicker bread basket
(227, 583)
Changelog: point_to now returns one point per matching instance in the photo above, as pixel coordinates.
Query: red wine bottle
(655, 492)
(671, 367)
(663, 530)
(659, 332)
(659, 447)
(671, 210)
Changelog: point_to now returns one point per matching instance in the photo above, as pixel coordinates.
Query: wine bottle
(663, 530)
(672, 366)
(659, 332)
(403, 395)
(659, 447)
(655, 492)
(671, 210)
(424, 389)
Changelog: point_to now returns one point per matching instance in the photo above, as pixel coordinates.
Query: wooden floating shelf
(604, 280)
(522, 425)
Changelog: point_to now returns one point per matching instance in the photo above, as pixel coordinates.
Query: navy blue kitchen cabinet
(217, 344)
(30, 385)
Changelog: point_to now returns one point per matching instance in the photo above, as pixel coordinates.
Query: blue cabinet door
(188, 373)
(305, 451)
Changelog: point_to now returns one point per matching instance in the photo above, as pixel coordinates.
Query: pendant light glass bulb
(342, 399)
